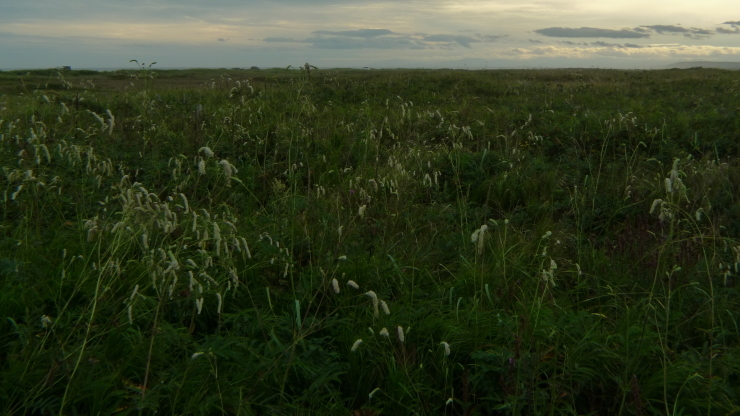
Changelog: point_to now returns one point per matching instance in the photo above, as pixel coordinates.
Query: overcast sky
(354, 33)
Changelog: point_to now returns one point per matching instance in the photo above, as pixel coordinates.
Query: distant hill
(705, 64)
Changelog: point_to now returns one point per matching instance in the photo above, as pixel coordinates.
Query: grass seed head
(356, 345)
(206, 151)
(384, 306)
(446, 346)
(335, 285)
(374, 297)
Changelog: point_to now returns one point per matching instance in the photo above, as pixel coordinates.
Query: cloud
(464, 41)
(692, 32)
(535, 41)
(662, 29)
(222, 39)
(735, 23)
(617, 45)
(489, 38)
(384, 39)
(346, 42)
(360, 33)
(570, 42)
(278, 39)
(662, 52)
(723, 31)
(590, 32)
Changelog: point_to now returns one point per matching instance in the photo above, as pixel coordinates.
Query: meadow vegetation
(509, 242)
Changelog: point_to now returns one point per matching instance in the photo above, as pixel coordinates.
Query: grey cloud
(460, 40)
(360, 33)
(735, 23)
(662, 29)
(617, 45)
(278, 39)
(590, 32)
(222, 39)
(723, 31)
(343, 42)
(488, 38)
(384, 39)
(692, 32)
(536, 41)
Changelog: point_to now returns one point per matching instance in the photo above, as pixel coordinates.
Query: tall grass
(398, 242)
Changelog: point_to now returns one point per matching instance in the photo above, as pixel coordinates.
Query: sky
(104, 34)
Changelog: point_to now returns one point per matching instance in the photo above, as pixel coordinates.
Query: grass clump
(493, 242)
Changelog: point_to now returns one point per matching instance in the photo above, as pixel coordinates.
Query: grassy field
(238, 242)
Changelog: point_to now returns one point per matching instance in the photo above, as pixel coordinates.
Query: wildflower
(352, 284)
(356, 345)
(202, 167)
(45, 321)
(196, 355)
(199, 304)
(447, 347)
(384, 306)
(361, 211)
(335, 285)
(374, 297)
(342, 258)
(449, 401)
(384, 333)
(656, 203)
(401, 337)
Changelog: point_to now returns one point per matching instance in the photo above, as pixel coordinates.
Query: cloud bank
(591, 32)
(384, 39)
